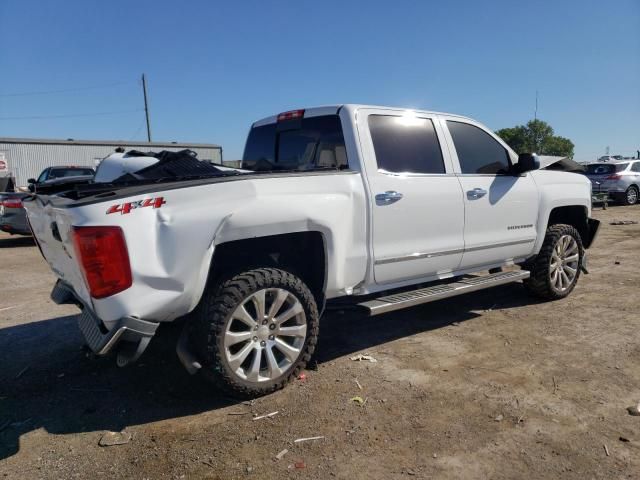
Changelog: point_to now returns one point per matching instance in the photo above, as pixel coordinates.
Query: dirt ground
(488, 385)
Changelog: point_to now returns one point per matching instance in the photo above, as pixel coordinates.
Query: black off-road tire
(539, 283)
(210, 319)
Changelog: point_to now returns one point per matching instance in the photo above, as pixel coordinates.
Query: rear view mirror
(31, 180)
(528, 162)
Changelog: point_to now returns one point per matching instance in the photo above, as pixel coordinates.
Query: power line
(65, 90)
(71, 115)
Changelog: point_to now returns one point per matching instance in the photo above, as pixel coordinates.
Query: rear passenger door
(417, 207)
(501, 209)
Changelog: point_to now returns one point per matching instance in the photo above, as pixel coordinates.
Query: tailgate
(52, 228)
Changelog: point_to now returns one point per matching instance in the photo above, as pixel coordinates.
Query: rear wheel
(556, 268)
(256, 331)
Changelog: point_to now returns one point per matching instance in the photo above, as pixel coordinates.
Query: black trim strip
(124, 192)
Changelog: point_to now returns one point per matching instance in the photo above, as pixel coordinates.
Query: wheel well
(575, 216)
(301, 253)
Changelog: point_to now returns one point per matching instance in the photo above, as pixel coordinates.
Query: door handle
(388, 197)
(476, 193)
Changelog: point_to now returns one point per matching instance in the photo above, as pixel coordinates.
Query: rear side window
(478, 152)
(635, 167)
(605, 168)
(405, 144)
(306, 144)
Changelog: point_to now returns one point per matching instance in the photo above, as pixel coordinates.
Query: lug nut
(272, 326)
(255, 339)
(271, 337)
(264, 322)
(263, 343)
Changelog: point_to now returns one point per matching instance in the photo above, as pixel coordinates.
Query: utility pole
(146, 106)
(535, 112)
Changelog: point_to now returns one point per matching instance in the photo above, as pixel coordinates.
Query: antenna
(146, 106)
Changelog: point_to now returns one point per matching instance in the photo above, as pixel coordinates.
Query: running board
(401, 300)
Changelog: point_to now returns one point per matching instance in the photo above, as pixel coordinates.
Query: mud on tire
(217, 318)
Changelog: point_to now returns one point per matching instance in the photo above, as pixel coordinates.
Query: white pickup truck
(384, 207)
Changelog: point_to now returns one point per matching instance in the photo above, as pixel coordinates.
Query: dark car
(54, 175)
(13, 217)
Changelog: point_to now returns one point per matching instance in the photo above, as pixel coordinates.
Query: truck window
(478, 152)
(306, 144)
(405, 145)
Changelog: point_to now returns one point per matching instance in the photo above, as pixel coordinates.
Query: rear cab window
(406, 144)
(605, 168)
(478, 152)
(296, 145)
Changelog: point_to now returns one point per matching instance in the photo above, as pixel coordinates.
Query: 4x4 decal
(123, 208)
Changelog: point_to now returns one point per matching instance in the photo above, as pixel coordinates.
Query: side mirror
(31, 180)
(527, 162)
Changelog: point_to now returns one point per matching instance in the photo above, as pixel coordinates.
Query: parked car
(13, 217)
(56, 175)
(378, 207)
(620, 179)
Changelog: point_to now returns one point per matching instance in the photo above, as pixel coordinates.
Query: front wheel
(256, 331)
(631, 195)
(556, 268)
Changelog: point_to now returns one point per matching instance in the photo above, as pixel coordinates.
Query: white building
(24, 158)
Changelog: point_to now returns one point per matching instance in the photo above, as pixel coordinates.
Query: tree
(536, 137)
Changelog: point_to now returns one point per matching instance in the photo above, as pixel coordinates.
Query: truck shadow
(47, 381)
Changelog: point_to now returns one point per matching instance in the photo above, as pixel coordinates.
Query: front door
(417, 211)
(501, 209)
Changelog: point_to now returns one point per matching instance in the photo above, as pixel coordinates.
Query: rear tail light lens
(103, 255)
(614, 177)
(12, 203)
(290, 115)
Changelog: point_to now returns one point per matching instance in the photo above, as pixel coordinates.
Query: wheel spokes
(281, 296)
(289, 351)
(233, 338)
(253, 373)
(258, 300)
(265, 335)
(236, 360)
(244, 316)
(295, 331)
(291, 312)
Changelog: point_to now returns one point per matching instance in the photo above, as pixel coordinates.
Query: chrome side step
(411, 298)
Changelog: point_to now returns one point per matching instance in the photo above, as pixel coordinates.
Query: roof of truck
(333, 109)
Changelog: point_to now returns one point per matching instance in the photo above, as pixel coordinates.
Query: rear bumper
(100, 339)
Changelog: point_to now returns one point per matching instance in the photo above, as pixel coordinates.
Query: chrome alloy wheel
(632, 196)
(565, 261)
(265, 335)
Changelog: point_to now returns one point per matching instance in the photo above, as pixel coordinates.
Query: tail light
(614, 177)
(12, 203)
(102, 252)
(290, 115)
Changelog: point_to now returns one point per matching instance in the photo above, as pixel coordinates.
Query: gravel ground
(488, 385)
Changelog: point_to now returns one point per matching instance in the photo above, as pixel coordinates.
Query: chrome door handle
(388, 197)
(476, 193)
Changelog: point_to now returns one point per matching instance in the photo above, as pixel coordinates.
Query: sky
(72, 69)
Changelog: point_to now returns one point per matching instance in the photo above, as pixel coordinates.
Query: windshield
(605, 168)
(69, 172)
(306, 144)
